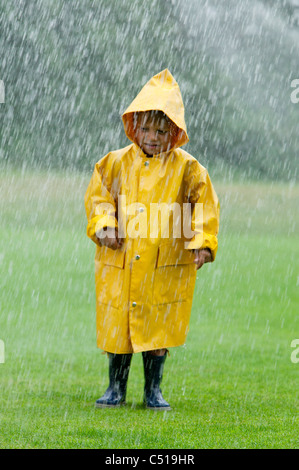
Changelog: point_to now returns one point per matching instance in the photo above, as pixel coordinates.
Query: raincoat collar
(161, 93)
(143, 155)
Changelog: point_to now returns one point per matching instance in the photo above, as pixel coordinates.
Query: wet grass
(232, 385)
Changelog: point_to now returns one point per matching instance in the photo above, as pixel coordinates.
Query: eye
(161, 132)
(144, 129)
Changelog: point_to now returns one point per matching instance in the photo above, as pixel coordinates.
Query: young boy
(145, 269)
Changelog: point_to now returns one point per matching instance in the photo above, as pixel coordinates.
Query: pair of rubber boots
(119, 366)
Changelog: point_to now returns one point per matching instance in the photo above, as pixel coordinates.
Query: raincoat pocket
(109, 276)
(112, 257)
(173, 269)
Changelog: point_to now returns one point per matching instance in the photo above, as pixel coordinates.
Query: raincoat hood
(160, 93)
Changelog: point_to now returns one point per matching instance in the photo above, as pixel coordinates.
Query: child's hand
(201, 257)
(109, 237)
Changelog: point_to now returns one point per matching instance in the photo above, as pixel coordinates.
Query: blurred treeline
(71, 67)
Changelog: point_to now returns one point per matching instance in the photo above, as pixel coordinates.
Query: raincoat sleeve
(99, 203)
(205, 222)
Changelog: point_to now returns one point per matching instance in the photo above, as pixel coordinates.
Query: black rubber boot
(115, 395)
(153, 372)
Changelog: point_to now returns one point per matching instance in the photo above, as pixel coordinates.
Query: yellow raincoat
(144, 289)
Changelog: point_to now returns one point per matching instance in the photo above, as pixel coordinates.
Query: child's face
(153, 133)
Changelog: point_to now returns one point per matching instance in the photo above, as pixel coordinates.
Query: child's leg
(157, 352)
(115, 395)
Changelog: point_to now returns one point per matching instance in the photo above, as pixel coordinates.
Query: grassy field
(233, 385)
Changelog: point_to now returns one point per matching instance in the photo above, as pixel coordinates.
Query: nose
(152, 135)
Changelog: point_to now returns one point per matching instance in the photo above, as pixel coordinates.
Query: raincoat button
(134, 304)
(141, 209)
(137, 257)
(146, 163)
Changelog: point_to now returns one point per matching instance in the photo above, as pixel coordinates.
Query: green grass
(232, 385)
